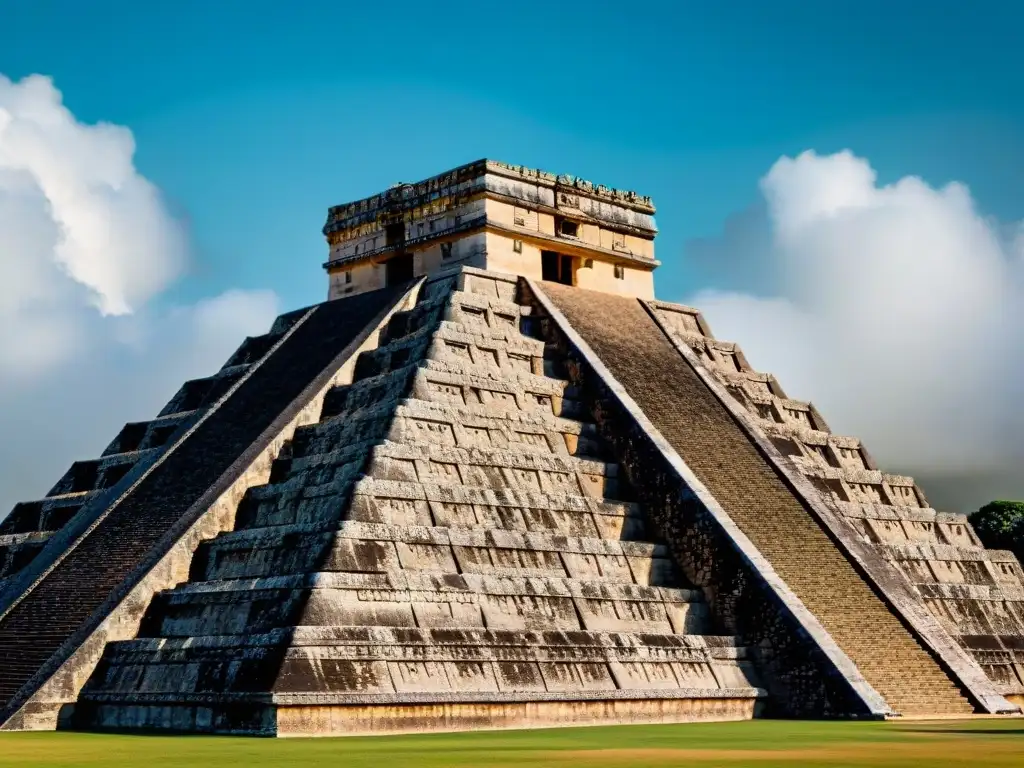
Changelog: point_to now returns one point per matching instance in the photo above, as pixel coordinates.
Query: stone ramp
(696, 424)
(59, 613)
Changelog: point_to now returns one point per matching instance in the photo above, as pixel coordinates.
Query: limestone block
(740, 674)
(684, 321)
(417, 430)
(425, 557)
(471, 676)
(300, 674)
(576, 677)
(689, 618)
(889, 531)
(613, 526)
(643, 676)
(370, 556)
(528, 612)
(519, 677)
(956, 533)
(917, 571)
(1007, 572)
(582, 566)
(1004, 617)
(487, 285)
(377, 509)
(919, 530)
(507, 518)
(230, 618)
(695, 675)
(249, 558)
(452, 515)
(479, 437)
(959, 617)
(325, 609)
(947, 571)
(451, 614)
(1004, 673)
(609, 616)
(419, 676)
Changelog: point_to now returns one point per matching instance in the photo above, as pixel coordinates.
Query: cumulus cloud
(87, 248)
(897, 310)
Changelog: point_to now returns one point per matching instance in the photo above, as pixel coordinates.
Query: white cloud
(86, 246)
(897, 310)
(107, 228)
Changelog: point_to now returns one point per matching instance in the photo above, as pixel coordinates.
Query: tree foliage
(1000, 525)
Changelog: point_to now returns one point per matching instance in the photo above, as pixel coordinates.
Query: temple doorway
(556, 267)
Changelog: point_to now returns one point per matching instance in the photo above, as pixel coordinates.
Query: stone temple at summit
(492, 482)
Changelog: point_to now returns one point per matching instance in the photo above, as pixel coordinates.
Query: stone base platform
(397, 714)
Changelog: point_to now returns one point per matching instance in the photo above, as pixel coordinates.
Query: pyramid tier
(356, 679)
(398, 663)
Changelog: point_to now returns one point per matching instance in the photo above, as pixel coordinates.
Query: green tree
(1000, 525)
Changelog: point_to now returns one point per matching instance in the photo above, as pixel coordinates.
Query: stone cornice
(572, 213)
(483, 224)
(625, 198)
(479, 192)
(469, 179)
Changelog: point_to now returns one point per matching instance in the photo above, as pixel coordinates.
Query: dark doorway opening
(556, 267)
(399, 269)
(394, 233)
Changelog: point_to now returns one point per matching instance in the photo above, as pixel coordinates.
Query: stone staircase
(450, 545)
(690, 417)
(92, 484)
(31, 525)
(145, 502)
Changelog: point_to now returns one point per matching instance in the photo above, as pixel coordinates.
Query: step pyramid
(451, 541)
(484, 498)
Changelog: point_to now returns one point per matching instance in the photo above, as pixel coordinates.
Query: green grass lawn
(763, 743)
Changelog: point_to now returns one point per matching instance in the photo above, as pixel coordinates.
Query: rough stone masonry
(492, 483)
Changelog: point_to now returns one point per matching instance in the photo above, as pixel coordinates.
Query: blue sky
(253, 117)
